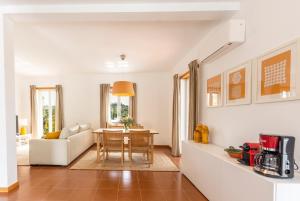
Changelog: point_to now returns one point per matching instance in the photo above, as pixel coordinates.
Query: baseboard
(9, 188)
(162, 146)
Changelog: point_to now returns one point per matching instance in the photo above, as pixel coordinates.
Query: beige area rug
(23, 155)
(161, 163)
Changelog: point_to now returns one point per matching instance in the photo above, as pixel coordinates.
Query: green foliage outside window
(46, 119)
(124, 110)
(114, 111)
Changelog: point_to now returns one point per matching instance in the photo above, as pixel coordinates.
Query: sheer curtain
(176, 116)
(59, 113)
(33, 112)
(133, 104)
(104, 104)
(193, 98)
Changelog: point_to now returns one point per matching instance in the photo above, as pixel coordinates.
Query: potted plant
(127, 121)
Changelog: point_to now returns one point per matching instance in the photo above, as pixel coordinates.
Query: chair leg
(104, 156)
(122, 159)
(130, 151)
(130, 155)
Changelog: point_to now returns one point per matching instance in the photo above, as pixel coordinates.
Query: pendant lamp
(122, 88)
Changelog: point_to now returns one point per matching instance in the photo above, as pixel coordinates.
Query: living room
(169, 52)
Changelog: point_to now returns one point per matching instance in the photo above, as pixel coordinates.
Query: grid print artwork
(275, 74)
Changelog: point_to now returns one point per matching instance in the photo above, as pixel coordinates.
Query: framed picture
(214, 91)
(238, 85)
(277, 75)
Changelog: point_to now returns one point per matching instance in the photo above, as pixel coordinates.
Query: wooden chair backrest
(108, 125)
(137, 126)
(112, 138)
(140, 138)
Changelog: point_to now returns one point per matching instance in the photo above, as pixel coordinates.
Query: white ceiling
(44, 2)
(65, 39)
(86, 47)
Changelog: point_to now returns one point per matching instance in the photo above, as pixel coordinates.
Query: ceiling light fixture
(123, 63)
(123, 88)
(119, 64)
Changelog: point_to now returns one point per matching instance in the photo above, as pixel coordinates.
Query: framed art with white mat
(214, 91)
(238, 85)
(277, 74)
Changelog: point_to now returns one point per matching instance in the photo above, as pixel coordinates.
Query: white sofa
(59, 151)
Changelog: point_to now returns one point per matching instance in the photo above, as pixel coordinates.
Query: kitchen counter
(221, 178)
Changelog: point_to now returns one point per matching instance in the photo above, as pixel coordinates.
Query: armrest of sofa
(80, 142)
(49, 152)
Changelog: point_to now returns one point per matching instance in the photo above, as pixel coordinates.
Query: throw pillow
(74, 130)
(84, 127)
(52, 135)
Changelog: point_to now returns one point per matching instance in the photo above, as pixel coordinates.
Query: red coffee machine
(276, 158)
(249, 150)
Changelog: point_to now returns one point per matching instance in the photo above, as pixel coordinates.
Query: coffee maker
(249, 150)
(276, 158)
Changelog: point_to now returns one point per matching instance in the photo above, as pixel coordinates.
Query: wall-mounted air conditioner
(222, 39)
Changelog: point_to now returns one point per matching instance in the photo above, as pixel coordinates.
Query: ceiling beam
(123, 8)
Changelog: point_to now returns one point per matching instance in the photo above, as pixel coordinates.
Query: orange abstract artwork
(237, 85)
(276, 74)
(214, 85)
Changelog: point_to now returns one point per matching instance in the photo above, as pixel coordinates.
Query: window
(184, 109)
(119, 107)
(46, 105)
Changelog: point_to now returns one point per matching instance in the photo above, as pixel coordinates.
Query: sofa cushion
(84, 127)
(74, 130)
(52, 135)
(65, 133)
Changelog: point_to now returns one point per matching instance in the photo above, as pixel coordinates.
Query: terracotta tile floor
(60, 184)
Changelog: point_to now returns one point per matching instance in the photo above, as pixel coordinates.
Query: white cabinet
(221, 178)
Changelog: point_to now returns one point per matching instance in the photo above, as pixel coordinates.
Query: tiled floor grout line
(119, 187)
(139, 185)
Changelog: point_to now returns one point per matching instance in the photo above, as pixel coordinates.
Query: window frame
(50, 120)
(119, 108)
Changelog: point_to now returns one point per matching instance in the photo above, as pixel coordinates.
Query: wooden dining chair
(140, 142)
(113, 141)
(117, 126)
(136, 126)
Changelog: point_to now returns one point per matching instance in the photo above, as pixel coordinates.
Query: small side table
(23, 139)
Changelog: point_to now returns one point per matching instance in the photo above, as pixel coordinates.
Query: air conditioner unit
(222, 39)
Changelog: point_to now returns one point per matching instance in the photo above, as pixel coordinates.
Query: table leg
(98, 148)
(152, 149)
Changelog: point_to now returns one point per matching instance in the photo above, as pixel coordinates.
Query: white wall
(82, 98)
(269, 23)
(8, 163)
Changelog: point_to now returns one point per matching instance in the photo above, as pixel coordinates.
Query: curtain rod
(185, 75)
(45, 88)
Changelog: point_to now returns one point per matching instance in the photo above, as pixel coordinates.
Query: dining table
(99, 132)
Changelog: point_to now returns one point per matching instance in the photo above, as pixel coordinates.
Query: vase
(126, 128)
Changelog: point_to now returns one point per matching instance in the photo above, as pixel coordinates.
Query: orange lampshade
(123, 88)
